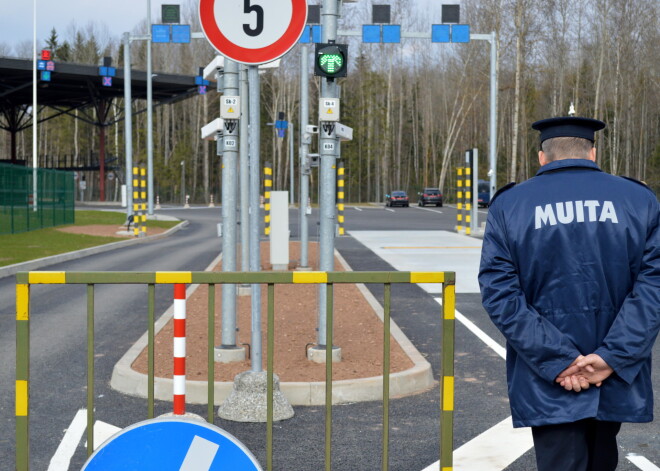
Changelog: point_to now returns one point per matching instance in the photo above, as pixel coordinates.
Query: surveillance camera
(310, 128)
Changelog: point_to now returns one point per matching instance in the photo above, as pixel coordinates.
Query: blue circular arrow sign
(172, 445)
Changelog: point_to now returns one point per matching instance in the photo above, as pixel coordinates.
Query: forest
(415, 107)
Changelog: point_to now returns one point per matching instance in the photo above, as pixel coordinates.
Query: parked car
(430, 196)
(483, 193)
(397, 198)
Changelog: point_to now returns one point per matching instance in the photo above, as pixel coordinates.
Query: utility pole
(304, 168)
(292, 178)
(493, 114)
(244, 178)
(328, 155)
(255, 252)
(229, 110)
(128, 124)
(150, 130)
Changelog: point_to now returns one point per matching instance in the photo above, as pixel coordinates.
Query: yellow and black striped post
(140, 201)
(447, 386)
(468, 198)
(268, 186)
(340, 197)
(136, 201)
(22, 376)
(459, 199)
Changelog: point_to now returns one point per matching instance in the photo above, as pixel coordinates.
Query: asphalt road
(59, 346)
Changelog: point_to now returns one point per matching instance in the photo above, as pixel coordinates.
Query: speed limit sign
(253, 31)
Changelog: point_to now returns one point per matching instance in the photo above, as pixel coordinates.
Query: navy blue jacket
(570, 265)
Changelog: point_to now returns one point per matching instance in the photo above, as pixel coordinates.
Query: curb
(65, 257)
(417, 379)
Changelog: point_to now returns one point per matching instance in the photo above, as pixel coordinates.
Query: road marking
(387, 209)
(493, 450)
(481, 335)
(357, 209)
(65, 451)
(200, 455)
(102, 432)
(436, 211)
(641, 462)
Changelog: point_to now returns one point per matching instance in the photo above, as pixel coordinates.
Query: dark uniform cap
(568, 126)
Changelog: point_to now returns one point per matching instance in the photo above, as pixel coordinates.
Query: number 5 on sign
(253, 31)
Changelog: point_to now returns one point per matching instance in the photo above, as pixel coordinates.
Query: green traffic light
(331, 63)
(331, 60)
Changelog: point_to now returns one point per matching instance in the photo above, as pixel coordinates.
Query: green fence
(54, 202)
(445, 415)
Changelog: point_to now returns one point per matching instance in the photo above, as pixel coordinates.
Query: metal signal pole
(327, 150)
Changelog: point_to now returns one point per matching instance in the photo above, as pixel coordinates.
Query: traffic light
(331, 60)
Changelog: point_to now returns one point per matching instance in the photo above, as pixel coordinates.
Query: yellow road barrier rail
(25, 280)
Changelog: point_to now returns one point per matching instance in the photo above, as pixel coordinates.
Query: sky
(16, 16)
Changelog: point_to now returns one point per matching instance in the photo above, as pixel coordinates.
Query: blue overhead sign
(391, 33)
(440, 33)
(180, 33)
(160, 33)
(460, 33)
(172, 445)
(370, 33)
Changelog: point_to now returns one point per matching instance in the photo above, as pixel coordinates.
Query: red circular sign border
(257, 56)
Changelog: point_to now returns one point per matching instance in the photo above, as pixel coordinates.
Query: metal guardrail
(25, 279)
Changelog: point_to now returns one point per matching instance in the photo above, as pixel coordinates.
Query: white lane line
(200, 455)
(641, 462)
(436, 211)
(357, 209)
(481, 335)
(493, 450)
(388, 209)
(65, 451)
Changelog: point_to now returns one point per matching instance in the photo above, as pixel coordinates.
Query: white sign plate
(328, 109)
(329, 146)
(230, 107)
(230, 143)
(253, 31)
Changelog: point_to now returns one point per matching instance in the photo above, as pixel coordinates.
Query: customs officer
(570, 274)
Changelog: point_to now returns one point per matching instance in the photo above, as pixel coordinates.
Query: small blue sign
(440, 33)
(317, 33)
(45, 75)
(41, 65)
(305, 36)
(172, 445)
(201, 89)
(181, 34)
(391, 33)
(460, 33)
(160, 33)
(370, 33)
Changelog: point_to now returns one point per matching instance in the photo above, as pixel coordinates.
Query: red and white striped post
(179, 349)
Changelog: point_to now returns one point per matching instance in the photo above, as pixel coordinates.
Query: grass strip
(17, 248)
